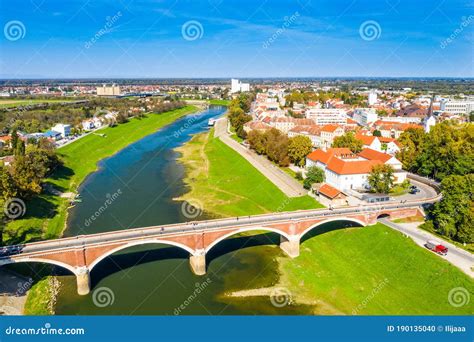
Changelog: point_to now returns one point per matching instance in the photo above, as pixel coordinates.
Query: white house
(345, 170)
(63, 129)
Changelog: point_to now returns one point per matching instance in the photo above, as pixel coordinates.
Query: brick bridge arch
(82, 253)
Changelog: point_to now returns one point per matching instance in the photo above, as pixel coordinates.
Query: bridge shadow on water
(151, 253)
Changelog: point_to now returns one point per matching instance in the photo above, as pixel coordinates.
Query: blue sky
(62, 39)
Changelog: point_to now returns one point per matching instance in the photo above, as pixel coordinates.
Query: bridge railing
(209, 225)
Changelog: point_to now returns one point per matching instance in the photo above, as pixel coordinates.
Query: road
(287, 184)
(200, 226)
(456, 256)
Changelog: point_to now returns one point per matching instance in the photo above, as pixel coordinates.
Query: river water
(136, 187)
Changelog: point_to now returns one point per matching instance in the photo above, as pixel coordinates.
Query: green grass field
(372, 271)
(8, 103)
(228, 185)
(46, 215)
(219, 102)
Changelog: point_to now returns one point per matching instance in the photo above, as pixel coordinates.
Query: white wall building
(457, 106)
(64, 130)
(372, 98)
(237, 86)
(365, 116)
(327, 116)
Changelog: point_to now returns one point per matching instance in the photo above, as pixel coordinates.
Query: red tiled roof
(369, 154)
(366, 139)
(343, 167)
(329, 191)
(329, 128)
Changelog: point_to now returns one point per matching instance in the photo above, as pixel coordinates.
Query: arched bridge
(82, 253)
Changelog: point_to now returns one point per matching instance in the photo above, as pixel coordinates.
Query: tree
(454, 214)
(377, 133)
(313, 175)
(257, 141)
(298, 148)
(277, 147)
(349, 141)
(381, 178)
(20, 148)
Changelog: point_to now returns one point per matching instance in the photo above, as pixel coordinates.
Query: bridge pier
(291, 246)
(198, 262)
(83, 279)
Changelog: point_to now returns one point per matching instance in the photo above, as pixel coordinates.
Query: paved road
(456, 256)
(287, 184)
(37, 248)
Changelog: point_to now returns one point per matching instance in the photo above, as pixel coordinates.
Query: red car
(436, 247)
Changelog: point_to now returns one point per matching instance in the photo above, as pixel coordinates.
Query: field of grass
(8, 103)
(372, 270)
(46, 215)
(226, 184)
(219, 102)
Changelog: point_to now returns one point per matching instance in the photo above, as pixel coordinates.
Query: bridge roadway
(80, 254)
(203, 226)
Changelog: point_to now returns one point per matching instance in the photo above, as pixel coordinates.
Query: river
(140, 182)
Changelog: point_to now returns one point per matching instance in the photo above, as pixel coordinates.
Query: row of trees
(237, 110)
(279, 148)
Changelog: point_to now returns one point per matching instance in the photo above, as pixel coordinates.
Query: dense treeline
(446, 150)
(323, 96)
(446, 153)
(30, 166)
(279, 148)
(40, 117)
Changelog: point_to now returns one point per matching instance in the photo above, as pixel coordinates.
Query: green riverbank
(372, 270)
(46, 215)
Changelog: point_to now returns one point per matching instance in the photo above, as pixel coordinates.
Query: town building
(237, 86)
(457, 106)
(365, 116)
(63, 129)
(327, 116)
(345, 170)
(105, 90)
(372, 98)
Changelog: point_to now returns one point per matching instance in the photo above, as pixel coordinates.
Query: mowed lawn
(373, 270)
(46, 215)
(226, 184)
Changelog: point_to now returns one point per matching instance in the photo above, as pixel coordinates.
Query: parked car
(436, 247)
(414, 190)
